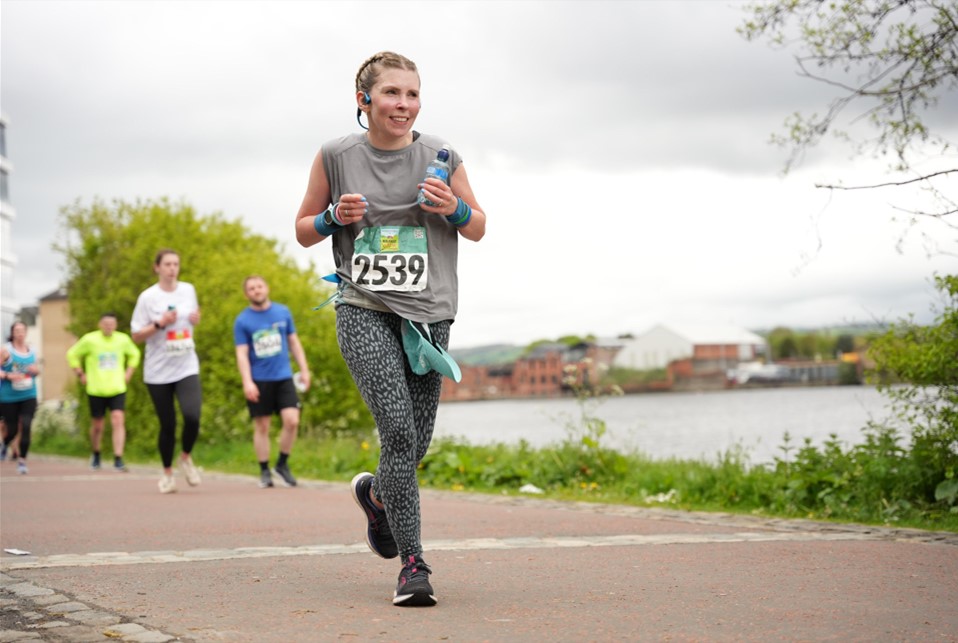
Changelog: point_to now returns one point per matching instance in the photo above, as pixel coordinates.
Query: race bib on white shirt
(179, 342)
(391, 258)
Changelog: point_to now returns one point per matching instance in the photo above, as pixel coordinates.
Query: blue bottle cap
(443, 155)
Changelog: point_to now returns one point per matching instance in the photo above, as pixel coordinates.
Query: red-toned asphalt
(227, 561)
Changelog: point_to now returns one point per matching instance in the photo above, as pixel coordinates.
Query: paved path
(112, 559)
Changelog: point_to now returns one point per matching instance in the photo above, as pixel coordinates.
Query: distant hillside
(856, 329)
(495, 354)
(488, 355)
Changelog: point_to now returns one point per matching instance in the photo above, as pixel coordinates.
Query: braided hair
(369, 71)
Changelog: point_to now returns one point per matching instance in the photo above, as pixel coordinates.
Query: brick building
(55, 339)
(708, 346)
(541, 373)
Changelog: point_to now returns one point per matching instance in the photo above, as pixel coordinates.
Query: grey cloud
(152, 99)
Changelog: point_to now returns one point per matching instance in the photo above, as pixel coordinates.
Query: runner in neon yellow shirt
(105, 360)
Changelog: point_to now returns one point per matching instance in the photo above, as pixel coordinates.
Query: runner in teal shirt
(18, 393)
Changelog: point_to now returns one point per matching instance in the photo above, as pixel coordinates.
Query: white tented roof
(662, 344)
(710, 334)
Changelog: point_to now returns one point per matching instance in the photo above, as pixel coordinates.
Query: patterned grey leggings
(403, 405)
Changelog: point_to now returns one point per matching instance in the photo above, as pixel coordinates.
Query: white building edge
(665, 343)
(8, 259)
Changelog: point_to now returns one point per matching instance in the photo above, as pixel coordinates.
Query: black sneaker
(265, 479)
(282, 470)
(119, 466)
(95, 462)
(414, 589)
(378, 535)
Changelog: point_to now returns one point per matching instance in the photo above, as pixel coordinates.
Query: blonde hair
(369, 71)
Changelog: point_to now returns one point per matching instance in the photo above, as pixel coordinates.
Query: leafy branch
(902, 67)
(894, 59)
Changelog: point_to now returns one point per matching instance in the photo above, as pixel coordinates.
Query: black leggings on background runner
(190, 396)
(402, 403)
(18, 416)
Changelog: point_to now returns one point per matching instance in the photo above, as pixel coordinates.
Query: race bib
(179, 342)
(22, 384)
(108, 361)
(391, 258)
(267, 342)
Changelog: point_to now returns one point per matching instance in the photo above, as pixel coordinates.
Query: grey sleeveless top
(398, 258)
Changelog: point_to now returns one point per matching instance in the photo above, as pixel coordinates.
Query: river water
(683, 425)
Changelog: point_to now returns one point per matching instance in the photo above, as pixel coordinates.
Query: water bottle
(439, 169)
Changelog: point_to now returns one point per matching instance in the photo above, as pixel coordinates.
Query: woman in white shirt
(164, 317)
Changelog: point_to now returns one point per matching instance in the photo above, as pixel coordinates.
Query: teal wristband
(461, 216)
(325, 222)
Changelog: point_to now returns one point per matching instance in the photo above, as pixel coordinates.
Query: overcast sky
(620, 151)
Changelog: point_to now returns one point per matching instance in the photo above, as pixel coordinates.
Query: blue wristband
(323, 227)
(461, 216)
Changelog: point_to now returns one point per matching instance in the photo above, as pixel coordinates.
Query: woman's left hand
(352, 208)
(440, 194)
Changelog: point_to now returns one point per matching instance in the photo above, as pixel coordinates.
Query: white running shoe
(167, 484)
(190, 472)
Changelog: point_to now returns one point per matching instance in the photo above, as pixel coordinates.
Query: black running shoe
(95, 462)
(282, 470)
(414, 589)
(119, 465)
(265, 479)
(378, 535)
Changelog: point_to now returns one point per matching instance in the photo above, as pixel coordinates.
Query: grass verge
(813, 483)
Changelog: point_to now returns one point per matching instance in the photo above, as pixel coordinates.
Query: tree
(926, 358)
(894, 58)
(109, 252)
(845, 343)
(781, 342)
(787, 348)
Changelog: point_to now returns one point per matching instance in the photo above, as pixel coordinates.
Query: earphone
(359, 110)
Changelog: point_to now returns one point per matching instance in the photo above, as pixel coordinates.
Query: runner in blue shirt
(265, 336)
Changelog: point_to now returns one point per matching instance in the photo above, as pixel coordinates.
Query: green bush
(924, 359)
(848, 374)
(109, 252)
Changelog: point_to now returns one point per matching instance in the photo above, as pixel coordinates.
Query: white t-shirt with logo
(170, 352)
